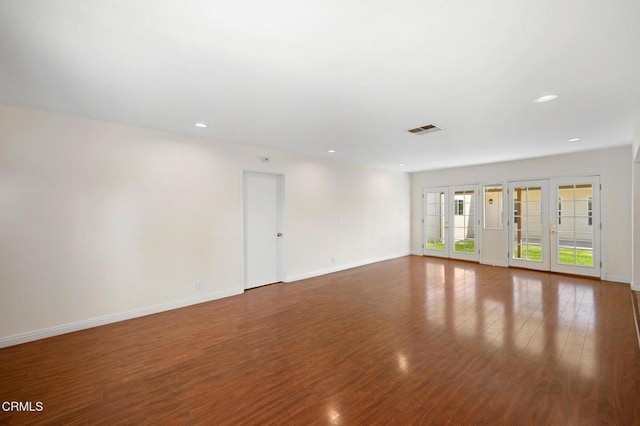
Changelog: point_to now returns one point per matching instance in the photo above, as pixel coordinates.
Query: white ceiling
(352, 75)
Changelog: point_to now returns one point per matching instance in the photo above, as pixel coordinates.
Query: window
(590, 212)
(459, 208)
(493, 207)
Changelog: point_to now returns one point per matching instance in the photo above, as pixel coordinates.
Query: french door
(575, 226)
(554, 225)
(450, 222)
(529, 224)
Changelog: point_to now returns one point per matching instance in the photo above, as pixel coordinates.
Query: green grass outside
(566, 255)
(435, 246)
(582, 257)
(461, 246)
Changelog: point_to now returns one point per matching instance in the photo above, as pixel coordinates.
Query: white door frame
(449, 225)
(476, 223)
(556, 266)
(548, 217)
(280, 239)
(543, 264)
(425, 250)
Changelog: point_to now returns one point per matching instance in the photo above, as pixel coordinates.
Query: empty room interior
(409, 212)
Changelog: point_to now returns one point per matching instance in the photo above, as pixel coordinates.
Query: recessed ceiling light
(332, 151)
(574, 140)
(546, 98)
(401, 165)
(201, 125)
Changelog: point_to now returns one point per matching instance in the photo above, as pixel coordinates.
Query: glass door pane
(463, 222)
(435, 221)
(574, 235)
(575, 226)
(528, 225)
(464, 219)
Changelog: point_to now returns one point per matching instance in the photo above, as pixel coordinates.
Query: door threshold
(450, 258)
(567, 274)
(263, 285)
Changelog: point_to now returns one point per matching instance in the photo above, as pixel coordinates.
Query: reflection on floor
(411, 340)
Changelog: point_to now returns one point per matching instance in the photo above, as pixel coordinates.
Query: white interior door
(450, 222)
(575, 225)
(529, 224)
(262, 228)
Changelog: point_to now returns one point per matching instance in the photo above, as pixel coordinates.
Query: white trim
(603, 231)
(57, 330)
(423, 219)
(635, 287)
(506, 207)
(344, 267)
(624, 280)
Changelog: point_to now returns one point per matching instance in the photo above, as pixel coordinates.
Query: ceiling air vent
(429, 128)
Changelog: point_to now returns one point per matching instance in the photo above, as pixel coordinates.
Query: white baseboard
(17, 339)
(625, 280)
(298, 277)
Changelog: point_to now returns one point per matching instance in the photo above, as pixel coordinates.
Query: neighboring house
(464, 217)
(574, 221)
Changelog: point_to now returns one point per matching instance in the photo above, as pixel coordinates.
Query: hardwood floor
(408, 341)
(635, 303)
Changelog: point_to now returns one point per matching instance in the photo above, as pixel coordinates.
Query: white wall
(100, 221)
(613, 165)
(635, 281)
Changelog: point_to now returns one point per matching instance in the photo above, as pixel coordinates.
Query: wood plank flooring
(413, 340)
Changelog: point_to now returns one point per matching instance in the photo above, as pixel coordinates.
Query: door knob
(279, 234)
